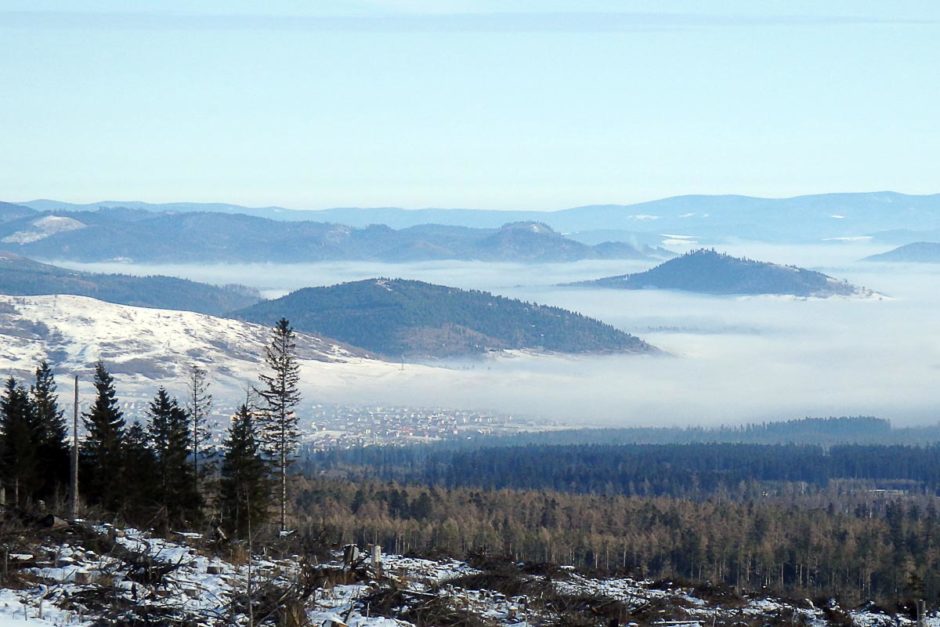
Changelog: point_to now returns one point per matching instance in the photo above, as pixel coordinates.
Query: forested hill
(918, 252)
(711, 272)
(394, 317)
(24, 277)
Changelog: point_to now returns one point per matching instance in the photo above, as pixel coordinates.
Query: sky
(492, 104)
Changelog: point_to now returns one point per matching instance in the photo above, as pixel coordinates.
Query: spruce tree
(52, 431)
(244, 492)
(19, 442)
(199, 406)
(102, 450)
(170, 440)
(279, 392)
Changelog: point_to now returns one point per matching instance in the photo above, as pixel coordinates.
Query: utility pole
(73, 497)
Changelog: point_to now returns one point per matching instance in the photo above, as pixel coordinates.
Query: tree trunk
(283, 475)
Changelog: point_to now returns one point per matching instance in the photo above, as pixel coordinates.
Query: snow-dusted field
(70, 584)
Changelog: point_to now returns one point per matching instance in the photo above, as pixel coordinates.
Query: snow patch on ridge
(43, 228)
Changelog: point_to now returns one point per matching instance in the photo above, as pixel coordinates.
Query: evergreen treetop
(103, 445)
(19, 450)
(170, 440)
(279, 433)
(244, 488)
(50, 419)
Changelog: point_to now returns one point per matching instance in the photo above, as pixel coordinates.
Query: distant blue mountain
(135, 234)
(918, 252)
(704, 219)
(711, 272)
(10, 212)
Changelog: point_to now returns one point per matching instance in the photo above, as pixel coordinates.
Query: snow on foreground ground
(97, 574)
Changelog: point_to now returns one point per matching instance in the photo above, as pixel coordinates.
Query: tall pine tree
(102, 450)
(279, 392)
(52, 432)
(199, 406)
(244, 491)
(170, 440)
(19, 443)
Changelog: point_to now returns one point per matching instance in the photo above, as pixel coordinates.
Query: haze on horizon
(518, 104)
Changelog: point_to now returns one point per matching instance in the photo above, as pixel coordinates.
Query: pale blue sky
(491, 104)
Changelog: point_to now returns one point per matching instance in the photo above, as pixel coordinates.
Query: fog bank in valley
(730, 359)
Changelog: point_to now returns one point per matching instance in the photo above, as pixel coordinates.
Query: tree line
(850, 542)
(162, 472)
(681, 470)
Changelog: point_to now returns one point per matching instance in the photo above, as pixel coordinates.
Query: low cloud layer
(732, 360)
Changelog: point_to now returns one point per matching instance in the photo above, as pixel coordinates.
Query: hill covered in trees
(24, 277)
(711, 272)
(394, 317)
(918, 252)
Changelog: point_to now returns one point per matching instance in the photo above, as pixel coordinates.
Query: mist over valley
(729, 359)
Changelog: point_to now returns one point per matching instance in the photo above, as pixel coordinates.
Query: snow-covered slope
(145, 348)
(41, 228)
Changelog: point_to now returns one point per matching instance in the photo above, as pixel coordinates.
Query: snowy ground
(66, 583)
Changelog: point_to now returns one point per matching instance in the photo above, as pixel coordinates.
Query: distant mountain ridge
(395, 317)
(10, 211)
(809, 218)
(917, 252)
(134, 234)
(24, 277)
(710, 272)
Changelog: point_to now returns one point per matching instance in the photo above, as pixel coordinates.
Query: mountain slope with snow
(145, 348)
(43, 227)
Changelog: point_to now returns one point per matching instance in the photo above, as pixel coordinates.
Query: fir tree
(52, 431)
(102, 449)
(279, 391)
(244, 492)
(169, 436)
(19, 450)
